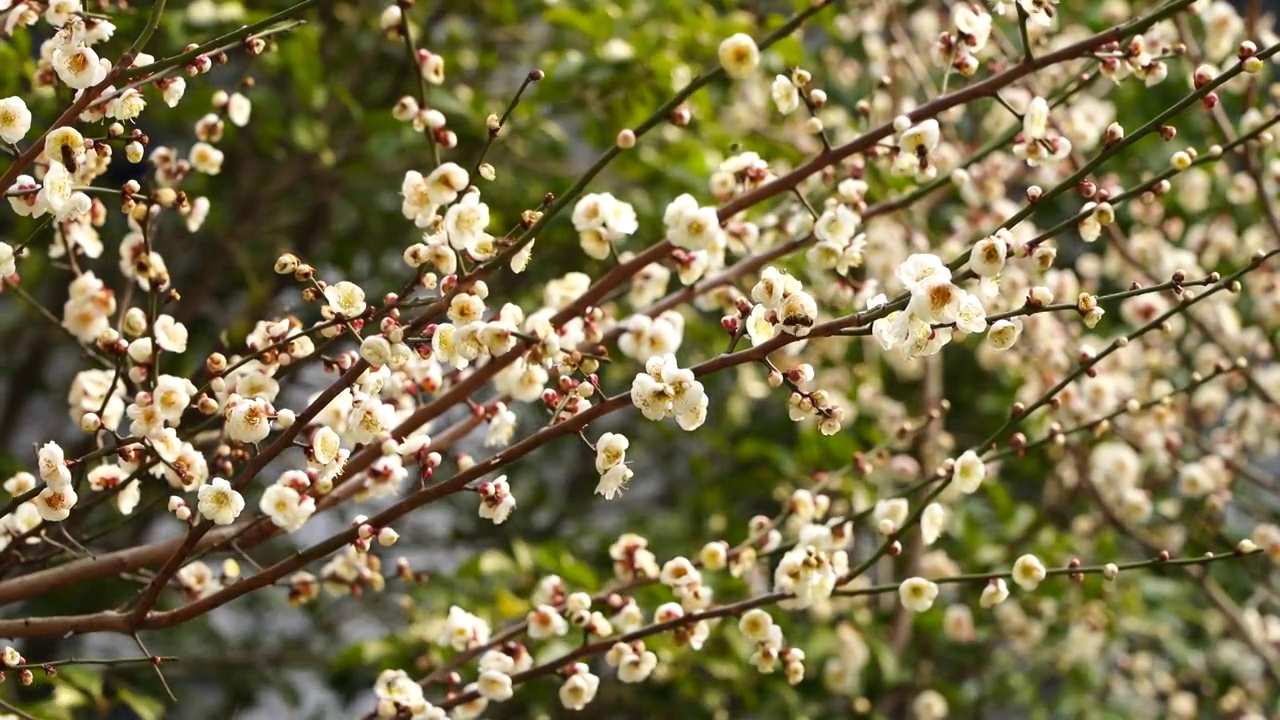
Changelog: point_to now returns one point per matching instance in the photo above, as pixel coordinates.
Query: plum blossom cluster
(793, 255)
(781, 306)
(665, 390)
(961, 46)
(937, 307)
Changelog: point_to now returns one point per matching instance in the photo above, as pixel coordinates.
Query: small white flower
(798, 313)
(346, 299)
(785, 95)
(1195, 480)
(637, 667)
(494, 685)
(917, 594)
(499, 503)
(936, 301)
(714, 555)
(56, 188)
(893, 511)
(933, 522)
(238, 109)
(836, 225)
(679, 572)
(286, 507)
(220, 503)
(975, 27)
(170, 334)
(1035, 121)
(465, 222)
(78, 67)
(126, 105)
(1004, 333)
(920, 267)
(54, 504)
(1039, 12)
(580, 689)
(1028, 572)
(15, 119)
(248, 420)
(972, 317)
(756, 624)
(53, 465)
(689, 226)
(23, 483)
(206, 158)
(806, 573)
(994, 593)
(759, 327)
(614, 481)
(376, 350)
(988, 256)
(544, 622)
(174, 89)
(60, 12)
(969, 472)
(739, 56)
(462, 630)
(128, 498)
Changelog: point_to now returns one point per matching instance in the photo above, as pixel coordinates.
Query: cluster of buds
(496, 500)
(366, 533)
(1090, 311)
(573, 397)
(1137, 59)
(178, 506)
(959, 49)
(578, 612)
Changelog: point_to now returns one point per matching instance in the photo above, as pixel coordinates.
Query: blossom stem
(736, 609)
(1027, 55)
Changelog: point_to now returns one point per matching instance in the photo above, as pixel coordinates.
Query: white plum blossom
(206, 158)
(987, 257)
(15, 119)
(917, 594)
(248, 420)
(238, 109)
(463, 630)
(969, 472)
(785, 95)
(689, 226)
(580, 688)
(53, 466)
(665, 390)
(602, 220)
(916, 146)
(287, 508)
(496, 500)
(220, 503)
(170, 334)
(346, 299)
(1040, 12)
(611, 451)
(933, 522)
(1004, 333)
(806, 573)
(1035, 121)
(78, 67)
(739, 56)
(1028, 572)
(54, 503)
(465, 222)
(545, 622)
